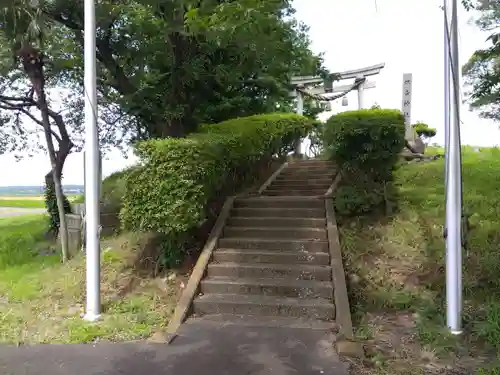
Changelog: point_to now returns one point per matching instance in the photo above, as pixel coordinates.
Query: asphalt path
(201, 349)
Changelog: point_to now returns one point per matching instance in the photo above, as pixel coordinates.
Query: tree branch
(25, 102)
(69, 23)
(32, 117)
(29, 102)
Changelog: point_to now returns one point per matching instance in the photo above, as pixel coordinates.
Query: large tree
(175, 64)
(170, 65)
(482, 71)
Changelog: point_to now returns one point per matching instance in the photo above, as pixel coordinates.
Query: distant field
(26, 201)
(19, 197)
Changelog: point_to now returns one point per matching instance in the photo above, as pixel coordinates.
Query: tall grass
(400, 259)
(20, 239)
(423, 191)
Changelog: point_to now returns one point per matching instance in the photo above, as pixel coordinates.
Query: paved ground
(18, 211)
(199, 349)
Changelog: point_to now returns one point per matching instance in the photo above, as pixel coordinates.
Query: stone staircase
(273, 261)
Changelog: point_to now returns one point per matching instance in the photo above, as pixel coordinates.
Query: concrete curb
(270, 180)
(333, 186)
(345, 345)
(192, 288)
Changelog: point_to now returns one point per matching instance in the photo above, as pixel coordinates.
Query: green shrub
(367, 140)
(356, 198)
(178, 178)
(51, 205)
(366, 145)
(113, 190)
(21, 239)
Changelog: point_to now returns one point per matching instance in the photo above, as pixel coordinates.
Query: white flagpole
(446, 92)
(93, 302)
(453, 190)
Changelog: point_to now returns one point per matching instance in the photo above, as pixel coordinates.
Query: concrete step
(269, 270)
(293, 175)
(279, 188)
(222, 320)
(291, 192)
(308, 171)
(312, 163)
(264, 306)
(268, 287)
(279, 212)
(268, 202)
(286, 222)
(311, 167)
(266, 256)
(284, 244)
(324, 164)
(276, 232)
(304, 181)
(301, 177)
(300, 185)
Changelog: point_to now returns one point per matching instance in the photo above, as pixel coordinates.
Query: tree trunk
(32, 61)
(61, 155)
(56, 176)
(182, 48)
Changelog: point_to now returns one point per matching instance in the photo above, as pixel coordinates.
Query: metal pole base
(91, 317)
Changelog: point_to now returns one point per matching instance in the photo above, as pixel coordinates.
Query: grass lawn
(41, 300)
(397, 274)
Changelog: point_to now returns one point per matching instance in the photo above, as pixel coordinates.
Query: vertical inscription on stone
(406, 104)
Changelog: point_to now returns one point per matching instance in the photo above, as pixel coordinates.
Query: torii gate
(323, 90)
(302, 85)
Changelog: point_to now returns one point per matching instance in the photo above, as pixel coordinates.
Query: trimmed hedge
(170, 192)
(369, 140)
(366, 145)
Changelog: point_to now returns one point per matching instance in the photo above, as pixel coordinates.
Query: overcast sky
(407, 35)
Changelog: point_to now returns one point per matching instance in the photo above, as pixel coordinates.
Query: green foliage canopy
(481, 72)
(172, 65)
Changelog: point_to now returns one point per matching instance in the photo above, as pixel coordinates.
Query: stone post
(74, 233)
